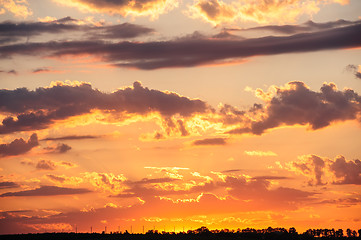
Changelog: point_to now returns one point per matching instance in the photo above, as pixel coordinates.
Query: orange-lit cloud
(214, 11)
(17, 7)
(151, 8)
(283, 11)
(260, 153)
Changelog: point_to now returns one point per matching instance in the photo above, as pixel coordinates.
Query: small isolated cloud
(60, 148)
(70, 137)
(18, 146)
(5, 185)
(41, 70)
(210, 141)
(260, 153)
(46, 165)
(46, 191)
(151, 8)
(14, 72)
(16, 7)
(354, 69)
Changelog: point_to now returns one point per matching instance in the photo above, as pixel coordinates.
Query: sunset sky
(179, 114)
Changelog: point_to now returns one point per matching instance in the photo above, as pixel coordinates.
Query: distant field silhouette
(202, 233)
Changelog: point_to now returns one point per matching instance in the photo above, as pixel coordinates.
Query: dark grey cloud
(353, 69)
(191, 52)
(349, 172)
(60, 148)
(152, 181)
(70, 137)
(56, 178)
(40, 108)
(23, 31)
(309, 26)
(9, 72)
(41, 70)
(121, 31)
(5, 185)
(18, 146)
(210, 141)
(46, 191)
(297, 104)
(231, 170)
(45, 165)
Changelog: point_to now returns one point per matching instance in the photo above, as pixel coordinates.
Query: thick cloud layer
(18, 146)
(40, 108)
(191, 52)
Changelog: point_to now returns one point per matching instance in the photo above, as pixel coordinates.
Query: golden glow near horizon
(173, 115)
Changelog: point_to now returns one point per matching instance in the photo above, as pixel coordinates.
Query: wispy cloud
(46, 191)
(260, 153)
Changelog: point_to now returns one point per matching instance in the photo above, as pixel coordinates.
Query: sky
(174, 115)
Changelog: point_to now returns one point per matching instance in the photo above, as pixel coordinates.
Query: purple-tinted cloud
(191, 52)
(40, 108)
(5, 185)
(297, 104)
(18, 146)
(60, 148)
(46, 191)
(210, 141)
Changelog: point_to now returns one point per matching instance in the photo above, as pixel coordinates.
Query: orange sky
(179, 114)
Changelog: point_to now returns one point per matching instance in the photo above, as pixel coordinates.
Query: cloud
(46, 165)
(210, 141)
(40, 109)
(297, 104)
(354, 69)
(262, 11)
(346, 172)
(5, 185)
(16, 31)
(213, 11)
(46, 191)
(41, 70)
(18, 8)
(190, 52)
(70, 137)
(60, 148)
(10, 71)
(260, 153)
(321, 171)
(18, 146)
(152, 8)
(308, 26)
(270, 178)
